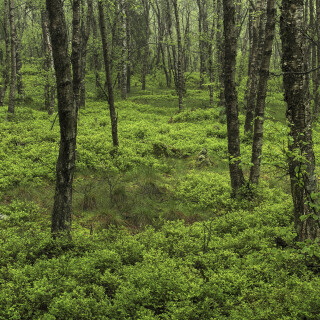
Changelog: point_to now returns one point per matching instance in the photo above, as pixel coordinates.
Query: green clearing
(155, 232)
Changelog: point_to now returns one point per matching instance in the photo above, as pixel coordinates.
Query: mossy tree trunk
(301, 158)
(107, 64)
(49, 87)
(13, 74)
(145, 56)
(179, 69)
(6, 69)
(230, 37)
(261, 94)
(61, 215)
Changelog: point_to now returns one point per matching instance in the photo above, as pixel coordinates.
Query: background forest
(159, 159)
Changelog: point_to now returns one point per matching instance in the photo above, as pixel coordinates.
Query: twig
(54, 120)
(283, 73)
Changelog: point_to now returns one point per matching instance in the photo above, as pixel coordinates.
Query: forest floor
(155, 232)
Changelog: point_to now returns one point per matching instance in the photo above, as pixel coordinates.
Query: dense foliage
(155, 233)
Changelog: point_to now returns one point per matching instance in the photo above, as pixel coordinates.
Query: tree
(145, 56)
(230, 52)
(49, 88)
(301, 160)
(6, 69)
(13, 74)
(203, 33)
(256, 42)
(261, 93)
(85, 28)
(106, 58)
(179, 69)
(124, 51)
(61, 215)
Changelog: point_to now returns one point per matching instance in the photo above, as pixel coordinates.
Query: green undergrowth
(227, 267)
(155, 232)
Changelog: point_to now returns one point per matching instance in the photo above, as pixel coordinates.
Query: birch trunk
(301, 158)
(230, 36)
(261, 94)
(62, 208)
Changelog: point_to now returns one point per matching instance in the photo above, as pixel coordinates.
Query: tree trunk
(230, 36)
(202, 54)
(61, 215)
(85, 33)
(13, 75)
(261, 94)
(317, 79)
(76, 52)
(6, 70)
(145, 56)
(128, 35)
(301, 158)
(123, 64)
(49, 88)
(220, 54)
(109, 83)
(180, 75)
(254, 66)
(210, 58)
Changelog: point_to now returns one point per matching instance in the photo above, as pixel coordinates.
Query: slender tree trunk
(123, 65)
(61, 215)
(145, 56)
(254, 67)
(180, 75)
(49, 88)
(13, 75)
(230, 36)
(76, 52)
(95, 50)
(85, 33)
(20, 27)
(109, 83)
(261, 94)
(220, 54)
(19, 82)
(201, 42)
(313, 51)
(210, 58)
(6, 70)
(301, 158)
(128, 35)
(317, 79)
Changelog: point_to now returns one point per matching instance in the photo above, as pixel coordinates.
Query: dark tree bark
(95, 54)
(220, 53)
(123, 64)
(180, 75)
(161, 40)
(85, 33)
(61, 215)
(49, 88)
(210, 58)
(6, 70)
(128, 35)
(13, 75)
(230, 52)
(20, 27)
(261, 94)
(76, 52)
(317, 79)
(301, 158)
(145, 56)
(255, 61)
(109, 83)
(203, 34)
